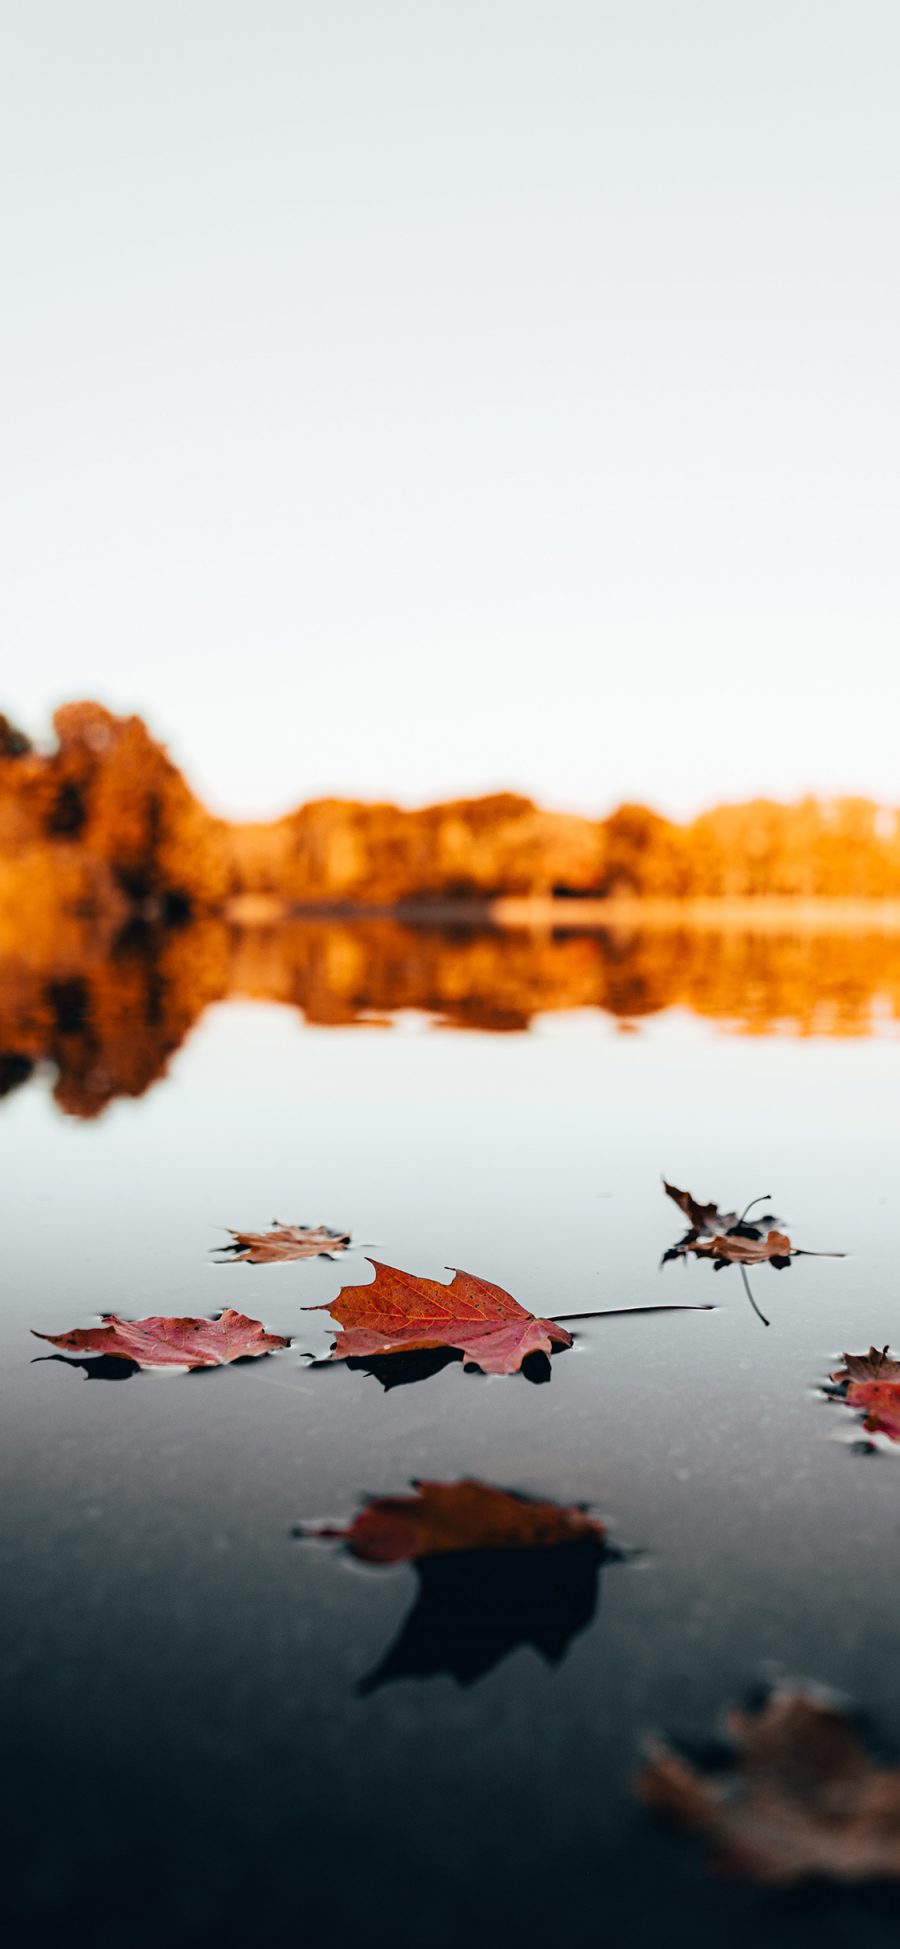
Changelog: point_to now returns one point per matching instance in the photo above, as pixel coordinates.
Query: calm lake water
(189, 1755)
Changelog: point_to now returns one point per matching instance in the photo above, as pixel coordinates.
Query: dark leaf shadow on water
(475, 1607)
(114, 1367)
(404, 1369)
(96, 1367)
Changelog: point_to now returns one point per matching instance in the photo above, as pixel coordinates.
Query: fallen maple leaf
(727, 1239)
(701, 1218)
(161, 1342)
(876, 1365)
(494, 1571)
(871, 1383)
(284, 1242)
(736, 1248)
(399, 1312)
(720, 1235)
(801, 1799)
(445, 1517)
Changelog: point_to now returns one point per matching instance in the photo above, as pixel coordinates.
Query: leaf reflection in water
(495, 1570)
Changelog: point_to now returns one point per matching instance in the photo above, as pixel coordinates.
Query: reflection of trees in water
(14, 1070)
(109, 1015)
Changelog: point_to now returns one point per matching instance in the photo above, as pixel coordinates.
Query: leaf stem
(754, 1201)
(743, 1272)
(612, 1312)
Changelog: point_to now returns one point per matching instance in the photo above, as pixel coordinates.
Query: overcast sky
(417, 397)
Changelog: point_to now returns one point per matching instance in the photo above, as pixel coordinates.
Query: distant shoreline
(106, 824)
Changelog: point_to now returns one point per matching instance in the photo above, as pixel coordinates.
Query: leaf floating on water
(166, 1342)
(876, 1365)
(400, 1313)
(870, 1382)
(800, 1799)
(735, 1248)
(494, 1570)
(442, 1518)
(727, 1239)
(284, 1242)
(707, 1225)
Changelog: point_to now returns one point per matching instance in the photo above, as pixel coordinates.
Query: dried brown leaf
(702, 1218)
(801, 1799)
(285, 1242)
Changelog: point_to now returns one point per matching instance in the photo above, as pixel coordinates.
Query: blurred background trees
(103, 819)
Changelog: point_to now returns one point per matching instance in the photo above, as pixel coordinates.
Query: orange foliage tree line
(106, 820)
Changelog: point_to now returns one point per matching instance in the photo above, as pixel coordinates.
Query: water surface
(192, 1754)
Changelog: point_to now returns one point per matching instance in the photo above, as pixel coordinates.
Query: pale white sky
(411, 397)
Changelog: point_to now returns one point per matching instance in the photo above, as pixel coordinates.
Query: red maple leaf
(442, 1518)
(400, 1313)
(871, 1382)
(163, 1342)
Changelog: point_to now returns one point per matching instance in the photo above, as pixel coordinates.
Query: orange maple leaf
(442, 1518)
(400, 1313)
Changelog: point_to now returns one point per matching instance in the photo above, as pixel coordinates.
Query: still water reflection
(220, 1735)
(107, 1014)
(471, 1611)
